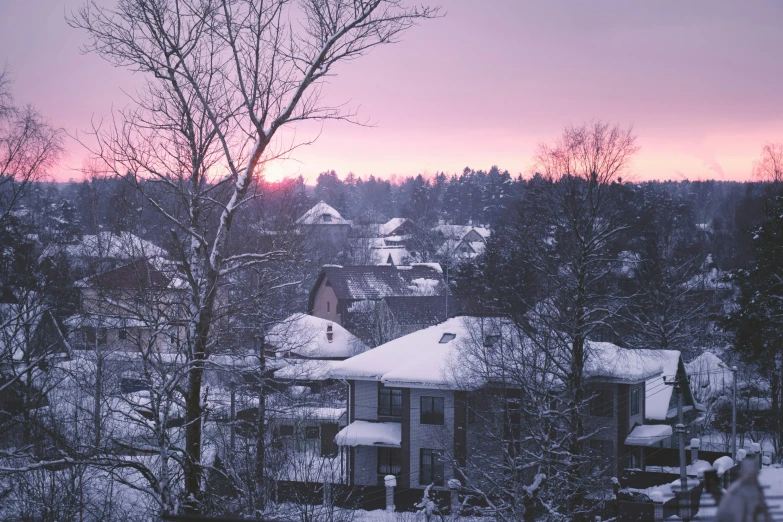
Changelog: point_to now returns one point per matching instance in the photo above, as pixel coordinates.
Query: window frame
(428, 410)
(433, 470)
(635, 401)
(389, 459)
(392, 407)
(602, 403)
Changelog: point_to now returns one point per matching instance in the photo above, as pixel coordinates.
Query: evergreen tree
(757, 321)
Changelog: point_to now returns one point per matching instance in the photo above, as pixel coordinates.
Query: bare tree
(573, 296)
(29, 146)
(770, 166)
(224, 77)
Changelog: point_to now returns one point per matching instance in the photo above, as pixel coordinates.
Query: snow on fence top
(364, 433)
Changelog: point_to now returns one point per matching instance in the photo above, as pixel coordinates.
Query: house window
(327, 218)
(389, 402)
(447, 337)
(602, 403)
(430, 467)
(602, 448)
(286, 430)
(389, 461)
(312, 432)
(431, 410)
(123, 334)
(328, 307)
(635, 458)
(635, 404)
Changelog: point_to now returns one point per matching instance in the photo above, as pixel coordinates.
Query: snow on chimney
(329, 333)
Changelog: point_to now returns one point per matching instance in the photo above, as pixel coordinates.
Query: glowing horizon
(485, 84)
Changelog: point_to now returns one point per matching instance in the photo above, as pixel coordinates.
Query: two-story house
(128, 308)
(632, 405)
(461, 241)
(413, 403)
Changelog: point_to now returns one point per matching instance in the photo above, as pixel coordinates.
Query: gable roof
(361, 282)
(418, 359)
(315, 216)
(429, 359)
(460, 231)
(138, 275)
(108, 245)
(305, 335)
(391, 226)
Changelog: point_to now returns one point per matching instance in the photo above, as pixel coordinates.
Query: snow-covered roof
(108, 245)
(422, 359)
(364, 433)
(390, 226)
(460, 231)
(658, 394)
(648, 434)
(710, 376)
(376, 282)
(306, 336)
(140, 274)
(609, 361)
(322, 214)
(305, 370)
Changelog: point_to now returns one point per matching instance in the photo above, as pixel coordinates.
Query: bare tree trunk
(96, 408)
(261, 431)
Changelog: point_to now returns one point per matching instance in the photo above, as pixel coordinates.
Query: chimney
(329, 334)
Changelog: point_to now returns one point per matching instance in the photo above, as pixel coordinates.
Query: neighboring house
(386, 252)
(308, 410)
(303, 348)
(339, 289)
(631, 400)
(461, 241)
(350, 295)
(323, 226)
(127, 308)
(409, 403)
(31, 339)
(397, 228)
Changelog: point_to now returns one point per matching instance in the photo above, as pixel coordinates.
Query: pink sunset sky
(700, 81)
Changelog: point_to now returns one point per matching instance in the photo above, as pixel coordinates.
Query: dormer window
(327, 218)
(447, 337)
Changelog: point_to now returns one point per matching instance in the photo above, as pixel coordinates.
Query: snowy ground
(771, 479)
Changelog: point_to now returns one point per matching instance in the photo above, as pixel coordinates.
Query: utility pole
(684, 496)
(733, 371)
(734, 413)
(233, 420)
